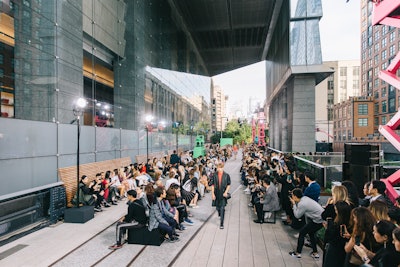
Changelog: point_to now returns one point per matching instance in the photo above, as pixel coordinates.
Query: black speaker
(79, 215)
(362, 154)
(346, 175)
(360, 174)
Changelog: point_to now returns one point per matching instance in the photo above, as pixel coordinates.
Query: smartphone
(357, 240)
(342, 229)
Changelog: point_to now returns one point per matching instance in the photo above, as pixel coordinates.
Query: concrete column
(303, 120)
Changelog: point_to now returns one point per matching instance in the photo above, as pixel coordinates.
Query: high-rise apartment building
(379, 45)
(218, 109)
(338, 87)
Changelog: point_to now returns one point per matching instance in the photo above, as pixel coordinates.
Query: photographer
(305, 206)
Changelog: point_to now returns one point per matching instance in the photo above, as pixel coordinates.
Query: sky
(340, 40)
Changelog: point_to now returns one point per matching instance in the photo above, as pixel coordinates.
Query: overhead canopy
(229, 34)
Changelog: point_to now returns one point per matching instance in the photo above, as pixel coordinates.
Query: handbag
(228, 196)
(355, 258)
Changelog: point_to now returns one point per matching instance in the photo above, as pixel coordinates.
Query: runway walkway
(241, 243)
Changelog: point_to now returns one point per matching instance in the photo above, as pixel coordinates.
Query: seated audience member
(171, 179)
(135, 218)
(269, 201)
(85, 196)
(97, 190)
(396, 240)
(387, 255)
(158, 217)
(115, 185)
(305, 206)
(104, 186)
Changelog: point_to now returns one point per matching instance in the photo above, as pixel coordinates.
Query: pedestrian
(221, 184)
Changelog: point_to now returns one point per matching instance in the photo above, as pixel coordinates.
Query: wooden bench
(68, 174)
(143, 158)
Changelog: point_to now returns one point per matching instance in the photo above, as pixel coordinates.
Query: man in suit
(313, 190)
(221, 184)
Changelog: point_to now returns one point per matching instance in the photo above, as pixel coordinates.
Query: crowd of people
(356, 230)
(161, 192)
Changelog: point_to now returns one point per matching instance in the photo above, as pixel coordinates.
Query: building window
(356, 71)
(392, 105)
(349, 135)
(376, 94)
(376, 59)
(362, 122)
(376, 121)
(343, 71)
(383, 42)
(384, 121)
(383, 94)
(362, 109)
(1, 73)
(392, 50)
(376, 83)
(384, 107)
(376, 108)
(392, 36)
(376, 47)
(383, 55)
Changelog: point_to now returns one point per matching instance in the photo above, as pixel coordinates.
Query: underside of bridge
(229, 34)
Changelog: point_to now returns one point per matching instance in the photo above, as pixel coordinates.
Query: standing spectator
(363, 222)
(387, 255)
(334, 253)
(221, 184)
(377, 190)
(352, 191)
(364, 202)
(135, 218)
(174, 159)
(303, 205)
(313, 190)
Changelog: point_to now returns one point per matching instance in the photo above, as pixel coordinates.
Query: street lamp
(149, 118)
(221, 124)
(78, 110)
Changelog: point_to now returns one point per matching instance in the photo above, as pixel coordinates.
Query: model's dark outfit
(219, 189)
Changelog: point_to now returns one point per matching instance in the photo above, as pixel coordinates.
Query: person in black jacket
(135, 218)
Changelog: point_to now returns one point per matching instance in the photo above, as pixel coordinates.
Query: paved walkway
(241, 243)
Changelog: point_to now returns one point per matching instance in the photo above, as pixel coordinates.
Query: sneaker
(172, 239)
(295, 254)
(250, 205)
(296, 235)
(115, 246)
(221, 227)
(182, 227)
(97, 209)
(314, 255)
(114, 203)
(106, 205)
(189, 221)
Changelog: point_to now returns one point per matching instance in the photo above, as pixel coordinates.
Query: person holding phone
(387, 255)
(363, 222)
(335, 235)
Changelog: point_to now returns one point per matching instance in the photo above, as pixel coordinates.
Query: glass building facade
(52, 52)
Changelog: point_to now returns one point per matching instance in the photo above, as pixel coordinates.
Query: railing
(326, 167)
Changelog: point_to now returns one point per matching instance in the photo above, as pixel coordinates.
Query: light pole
(78, 112)
(149, 118)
